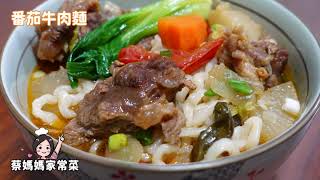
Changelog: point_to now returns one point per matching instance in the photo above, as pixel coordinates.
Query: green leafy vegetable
(221, 128)
(210, 93)
(117, 141)
(240, 86)
(144, 136)
(167, 53)
(93, 54)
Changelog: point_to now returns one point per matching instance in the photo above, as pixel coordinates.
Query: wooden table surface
(304, 162)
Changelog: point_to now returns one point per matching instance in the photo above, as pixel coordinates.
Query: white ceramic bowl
(18, 61)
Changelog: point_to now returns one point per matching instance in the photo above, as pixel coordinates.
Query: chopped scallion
(117, 141)
(210, 93)
(241, 87)
(167, 53)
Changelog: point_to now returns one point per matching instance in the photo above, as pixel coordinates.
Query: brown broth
(54, 132)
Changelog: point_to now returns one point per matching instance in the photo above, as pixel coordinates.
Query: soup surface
(162, 85)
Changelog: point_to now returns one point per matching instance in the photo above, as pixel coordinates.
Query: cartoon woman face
(43, 149)
(43, 146)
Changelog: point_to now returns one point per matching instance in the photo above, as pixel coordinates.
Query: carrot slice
(183, 32)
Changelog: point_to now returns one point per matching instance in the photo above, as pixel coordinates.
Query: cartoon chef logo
(45, 156)
(43, 146)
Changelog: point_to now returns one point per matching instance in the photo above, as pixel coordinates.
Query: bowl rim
(112, 163)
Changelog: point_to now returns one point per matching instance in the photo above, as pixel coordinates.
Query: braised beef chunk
(272, 81)
(74, 133)
(51, 44)
(157, 77)
(171, 129)
(139, 95)
(94, 20)
(53, 40)
(279, 62)
(258, 60)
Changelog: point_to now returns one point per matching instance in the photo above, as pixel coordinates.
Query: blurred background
(304, 163)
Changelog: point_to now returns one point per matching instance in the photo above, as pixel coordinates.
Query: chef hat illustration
(41, 131)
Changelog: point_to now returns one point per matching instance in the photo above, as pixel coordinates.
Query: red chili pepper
(191, 62)
(134, 53)
(179, 57)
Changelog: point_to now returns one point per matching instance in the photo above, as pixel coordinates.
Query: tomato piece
(134, 53)
(191, 62)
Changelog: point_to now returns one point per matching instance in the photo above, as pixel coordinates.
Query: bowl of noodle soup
(260, 143)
